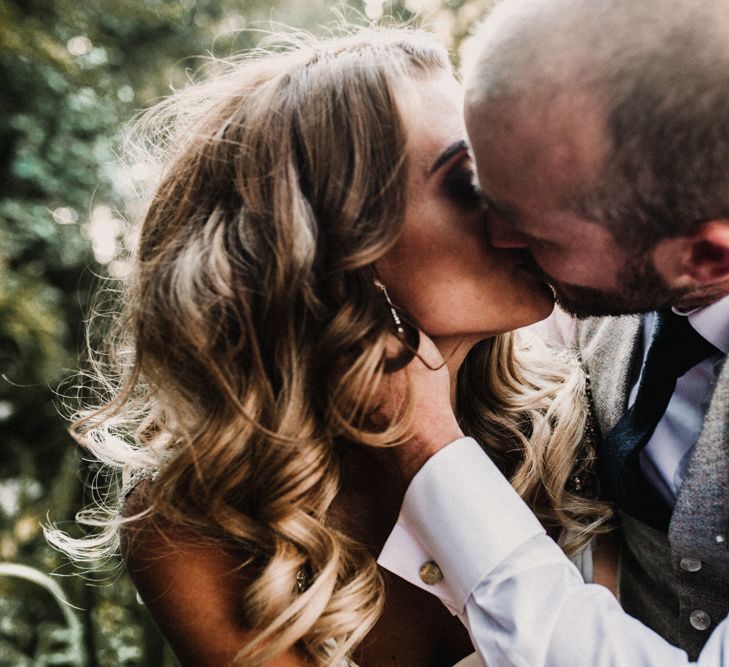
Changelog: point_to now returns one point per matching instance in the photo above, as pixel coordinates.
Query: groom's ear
(708, 252)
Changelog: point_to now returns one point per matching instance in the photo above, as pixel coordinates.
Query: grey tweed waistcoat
(677, 582)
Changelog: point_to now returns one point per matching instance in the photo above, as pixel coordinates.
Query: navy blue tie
(675, 349)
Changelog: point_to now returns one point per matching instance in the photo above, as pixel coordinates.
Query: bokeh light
(65, 215)
(79, 45)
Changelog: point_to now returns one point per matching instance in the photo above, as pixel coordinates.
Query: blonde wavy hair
(253, 339)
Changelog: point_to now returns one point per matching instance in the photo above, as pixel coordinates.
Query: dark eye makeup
(459, 186)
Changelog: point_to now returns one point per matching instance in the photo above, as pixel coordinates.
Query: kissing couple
(335, 440)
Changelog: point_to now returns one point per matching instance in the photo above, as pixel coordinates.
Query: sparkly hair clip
(304, 577)
(395, 316)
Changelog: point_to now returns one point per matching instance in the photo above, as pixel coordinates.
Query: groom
(600, 130)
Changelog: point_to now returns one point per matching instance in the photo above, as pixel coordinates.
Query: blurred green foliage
(72, 74)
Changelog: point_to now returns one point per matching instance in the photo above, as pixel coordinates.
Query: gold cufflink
(430, 573)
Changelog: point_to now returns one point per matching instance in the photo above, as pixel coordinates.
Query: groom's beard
(642, 289)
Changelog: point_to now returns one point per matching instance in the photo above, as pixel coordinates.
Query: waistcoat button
(720, 539)
(699, 619)
(690, 564)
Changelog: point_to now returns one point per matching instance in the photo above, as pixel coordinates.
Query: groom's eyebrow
(447, 154)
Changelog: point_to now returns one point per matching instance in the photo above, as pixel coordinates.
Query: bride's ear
(708, 253)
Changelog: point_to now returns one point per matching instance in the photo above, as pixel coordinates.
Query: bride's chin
(541, 306)
(545, 313)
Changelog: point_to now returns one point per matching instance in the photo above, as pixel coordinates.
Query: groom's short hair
(659, 74)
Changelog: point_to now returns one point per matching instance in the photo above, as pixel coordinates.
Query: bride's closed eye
(459, 185)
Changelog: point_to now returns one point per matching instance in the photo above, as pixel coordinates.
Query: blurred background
(72, 73)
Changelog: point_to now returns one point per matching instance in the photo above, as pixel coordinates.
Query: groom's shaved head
(528, 42)
(645, 81)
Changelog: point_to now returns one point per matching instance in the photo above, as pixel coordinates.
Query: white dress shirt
(523, 602)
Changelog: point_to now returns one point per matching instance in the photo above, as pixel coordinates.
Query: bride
(315, 210)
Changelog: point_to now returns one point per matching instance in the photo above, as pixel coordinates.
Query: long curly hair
(253, 339)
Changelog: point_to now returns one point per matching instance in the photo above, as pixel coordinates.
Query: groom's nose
(502, 234)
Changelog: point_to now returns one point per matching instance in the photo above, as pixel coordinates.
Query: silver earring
(395, 316)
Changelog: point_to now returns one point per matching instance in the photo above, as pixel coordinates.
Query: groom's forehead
(548, 152)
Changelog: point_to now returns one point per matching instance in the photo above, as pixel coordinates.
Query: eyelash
(459, 186)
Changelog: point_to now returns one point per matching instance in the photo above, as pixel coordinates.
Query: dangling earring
(395, 316)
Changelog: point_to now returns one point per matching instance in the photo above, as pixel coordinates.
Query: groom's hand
(425, 383)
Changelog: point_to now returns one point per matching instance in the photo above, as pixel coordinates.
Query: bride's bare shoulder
(193, 587)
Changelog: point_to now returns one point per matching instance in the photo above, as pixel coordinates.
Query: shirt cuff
(462, 513)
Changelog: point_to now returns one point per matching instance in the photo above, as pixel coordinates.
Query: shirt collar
(712, 322)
